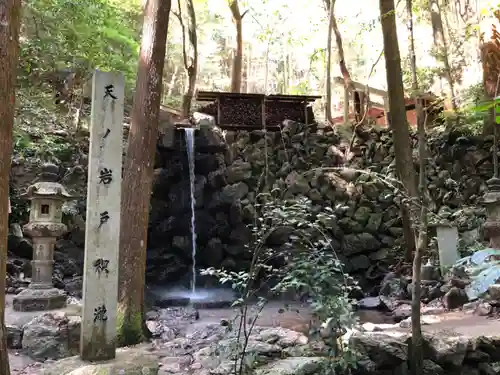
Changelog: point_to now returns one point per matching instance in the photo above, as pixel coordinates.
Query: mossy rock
(129, 331)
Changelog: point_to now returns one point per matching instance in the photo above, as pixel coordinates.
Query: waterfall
(190, 152)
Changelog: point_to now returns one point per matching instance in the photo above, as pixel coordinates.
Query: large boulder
(387, 352)
(209, 137)
(53, 335)
(384, 350)
(447, 350)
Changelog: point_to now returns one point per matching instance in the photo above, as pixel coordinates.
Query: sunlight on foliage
(68, 37)
(84, 34)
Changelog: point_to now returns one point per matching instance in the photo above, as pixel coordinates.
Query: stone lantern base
(39, 299)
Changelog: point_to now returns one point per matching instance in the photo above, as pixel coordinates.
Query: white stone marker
(447, 239)
(102, 234)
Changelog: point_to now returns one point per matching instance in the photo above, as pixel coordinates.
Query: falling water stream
(190, 151)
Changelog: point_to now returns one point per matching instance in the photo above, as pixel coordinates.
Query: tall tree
(490, 57)
(441, 48)
(328, 106)
(189, 53)
(346, 76)
(397, 111)
(238, 51)
(138, 172)
(248, 72)
(417, 361)
(10, 11)
(340, 47)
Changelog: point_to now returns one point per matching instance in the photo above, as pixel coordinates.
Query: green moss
(129, 328)
(99, 347)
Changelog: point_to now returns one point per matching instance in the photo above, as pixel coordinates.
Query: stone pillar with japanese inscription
(47, 197)
(102, 235)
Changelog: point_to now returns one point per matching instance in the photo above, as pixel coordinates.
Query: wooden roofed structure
(378, 110)
(255, 111)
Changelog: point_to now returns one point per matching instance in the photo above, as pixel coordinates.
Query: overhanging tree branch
(338, 39)
(183, 28)
(190, 60)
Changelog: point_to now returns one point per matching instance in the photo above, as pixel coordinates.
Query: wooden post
(263, 113)
(386, 110)
(362, 105)
(218, 111)
(306, 117)
(102, 234)
(346, 104)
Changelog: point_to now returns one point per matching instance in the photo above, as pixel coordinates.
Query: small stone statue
(429, 272)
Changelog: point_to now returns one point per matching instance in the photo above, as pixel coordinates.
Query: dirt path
(273, 315)
(296, 318)
(465, 325)
(18, 362)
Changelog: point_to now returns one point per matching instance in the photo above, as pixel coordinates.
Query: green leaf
(485, 106)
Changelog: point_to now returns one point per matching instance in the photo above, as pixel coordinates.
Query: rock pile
(303, 161)
(233, 167)
(388, 353)
(458, 168)
(202, 348)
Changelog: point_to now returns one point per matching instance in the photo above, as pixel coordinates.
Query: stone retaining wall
(232, 168)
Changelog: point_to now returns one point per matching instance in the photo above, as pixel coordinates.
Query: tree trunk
(489, 53)
(266, 70)
(138, 172)
(172, 80)
(333, 26)
(441, 47)
(249, 70)
(286, 73)
(417, 358)
(398, 121)
(187, 98)
(328, 104)
(10, 11)
(190, 62)
(347, 106)
(338, 39)
(238, 52)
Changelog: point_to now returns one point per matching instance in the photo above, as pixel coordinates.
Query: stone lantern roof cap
(47, 185)
(493, 195)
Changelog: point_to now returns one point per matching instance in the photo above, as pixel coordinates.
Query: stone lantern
(47, 197)
(492, 203)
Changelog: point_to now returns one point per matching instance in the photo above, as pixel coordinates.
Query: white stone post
(102, 232)
(447, 240)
